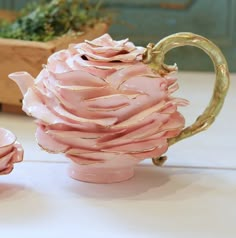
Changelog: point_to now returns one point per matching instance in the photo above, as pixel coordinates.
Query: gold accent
(159, 161)
(154, 56)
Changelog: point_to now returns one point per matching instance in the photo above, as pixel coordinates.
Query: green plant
(45, 21)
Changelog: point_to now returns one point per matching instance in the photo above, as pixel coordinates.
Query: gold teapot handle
(154, 56)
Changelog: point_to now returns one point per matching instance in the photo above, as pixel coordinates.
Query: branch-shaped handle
(154, 56)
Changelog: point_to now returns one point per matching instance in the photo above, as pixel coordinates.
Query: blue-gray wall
(13, 4)
(146, 21)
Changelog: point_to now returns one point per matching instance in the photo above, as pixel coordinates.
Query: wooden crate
(20, 55)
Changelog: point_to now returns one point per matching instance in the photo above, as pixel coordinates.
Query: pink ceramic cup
(11, 151)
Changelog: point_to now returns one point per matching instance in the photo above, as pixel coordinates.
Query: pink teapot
(108, 104)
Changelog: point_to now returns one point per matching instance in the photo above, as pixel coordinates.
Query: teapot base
(100, 175)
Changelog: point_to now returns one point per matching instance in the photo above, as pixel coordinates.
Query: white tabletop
(192, 195)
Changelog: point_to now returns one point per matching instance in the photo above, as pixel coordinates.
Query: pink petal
(83, 161)
(139, 116)
(119, 77)
(176, 121)
(101, 41)
(109, 102)
(77, 62)
(34, 107)
(78, 77)
(99, 155)
(142, 146)
(131, 56)
(61, 112)
(173, 88)
(5, 161)
(139, 132)
(18, 153)
(75, 138)
(48, 143)
(156, 152)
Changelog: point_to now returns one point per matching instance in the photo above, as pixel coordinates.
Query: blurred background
(145, 21)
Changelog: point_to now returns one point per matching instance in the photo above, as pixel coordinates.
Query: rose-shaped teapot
(108, 104)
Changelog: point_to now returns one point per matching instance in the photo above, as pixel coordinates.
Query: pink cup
(11, 151)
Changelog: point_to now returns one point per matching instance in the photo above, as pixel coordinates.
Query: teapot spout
(23, 79)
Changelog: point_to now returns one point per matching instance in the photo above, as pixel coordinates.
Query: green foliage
(45, 21)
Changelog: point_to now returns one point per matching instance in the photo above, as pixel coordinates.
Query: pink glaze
(11, 151)
(110, 172)
(98, 103)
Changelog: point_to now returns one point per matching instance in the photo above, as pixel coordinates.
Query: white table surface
(193, 195)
